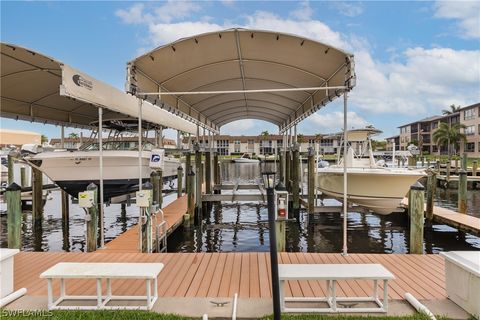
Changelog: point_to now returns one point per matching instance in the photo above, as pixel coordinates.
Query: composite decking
(246, 273)
(128, 241)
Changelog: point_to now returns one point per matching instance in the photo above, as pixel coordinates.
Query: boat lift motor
(281, 205)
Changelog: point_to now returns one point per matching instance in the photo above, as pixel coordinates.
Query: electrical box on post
(281, 205)
(86, 199)
(144, 198)
(157, 159)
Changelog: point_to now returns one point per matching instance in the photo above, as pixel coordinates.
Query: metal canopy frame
(276, 77)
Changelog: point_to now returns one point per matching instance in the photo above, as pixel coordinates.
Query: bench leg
(375, 289)
(334, 295)
(282, 294)
(385, 295)
(149, 294)
(50, 293)
(62, 288)
(99, 293)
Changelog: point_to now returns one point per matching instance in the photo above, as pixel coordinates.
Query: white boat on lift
(73, 171)
(376, 188)
(245, 158)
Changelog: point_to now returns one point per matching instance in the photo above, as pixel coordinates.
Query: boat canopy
(37, 88)
(210, 76)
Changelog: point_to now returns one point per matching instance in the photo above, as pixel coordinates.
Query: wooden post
(474, 168)
(449, 163)
(146, 223)
(295, 180)
(437, 165)
(456, 166)
(23, 177)
(14, 211)
(190, 193)
(216, 173)
(179, 181)
(208, 172)
(65, 209)
(399, 162)
(464, 161)
(462, 191)
(423, 162)
(280, 228)
(92, 220)
(11, 168)
(416, 218)
(198, 180)
(155, 181)
(311, 181)
(37, 196)
(431, 190)
(160, 188)
(288, 170)
(188, 168)
(281, 166)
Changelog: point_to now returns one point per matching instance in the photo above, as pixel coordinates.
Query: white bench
(333, 273)
(100, 271)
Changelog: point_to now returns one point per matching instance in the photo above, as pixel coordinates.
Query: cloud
(166, 13)
(467, 14)
(325, 121)
(304, 12)
(161, 33)
(426, 82)
(349, 9)
(238, 127)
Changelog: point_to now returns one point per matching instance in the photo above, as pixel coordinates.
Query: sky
(412, 59)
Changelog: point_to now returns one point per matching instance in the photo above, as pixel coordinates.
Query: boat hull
(242, 160)
(74, 171)
(379, 190)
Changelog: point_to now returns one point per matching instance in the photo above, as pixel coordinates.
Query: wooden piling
(190, 186)
(92, 220)
(146, 223)
(431, 190)
(464, 161)
(37, 196)
(216, 173)
(474, 168)
(449, 163)
(208, 172)
(160, 188)
(198, 180)
(462, 191)
(188, 168)
(11, 169)
(13, 194)
(23, 177)
(280, 228)
(281, 166)
(416, 218)
(295, 180)
(65, 209)
(288, 170)
(156, 185)
(179, 181)
(311, 181)
(456, 166)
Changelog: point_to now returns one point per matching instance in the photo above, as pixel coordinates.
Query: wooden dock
(246, 273)
(128, 241)
(457, 220)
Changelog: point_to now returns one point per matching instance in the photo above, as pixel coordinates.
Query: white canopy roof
(240, 59)
(37, 88)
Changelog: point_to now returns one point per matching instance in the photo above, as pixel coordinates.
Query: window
(470, 147)
(434, 125)
(469, 114)
(470, 130)
(326, 143)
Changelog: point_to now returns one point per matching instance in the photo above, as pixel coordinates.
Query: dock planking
(128, 241)
(224, 274)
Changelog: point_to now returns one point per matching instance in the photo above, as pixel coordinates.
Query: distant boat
(379, 189)
(245, 158)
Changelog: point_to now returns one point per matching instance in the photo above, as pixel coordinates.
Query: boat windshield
(118, 145)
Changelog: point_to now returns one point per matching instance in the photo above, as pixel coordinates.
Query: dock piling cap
(13, 187)
(417, 186)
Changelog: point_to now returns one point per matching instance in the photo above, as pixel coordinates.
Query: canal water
(242, 226)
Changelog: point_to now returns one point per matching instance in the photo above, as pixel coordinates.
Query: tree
(453, 109)
(265, 136)
(73, 135)
(300, 138)
(44, 138)
(318, 137)
(449, 136)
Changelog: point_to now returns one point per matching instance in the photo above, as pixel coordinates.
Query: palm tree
(449, 135)
(300, 138)
(453, 109)
(265, 136)
(73, 135)
(44, 138)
